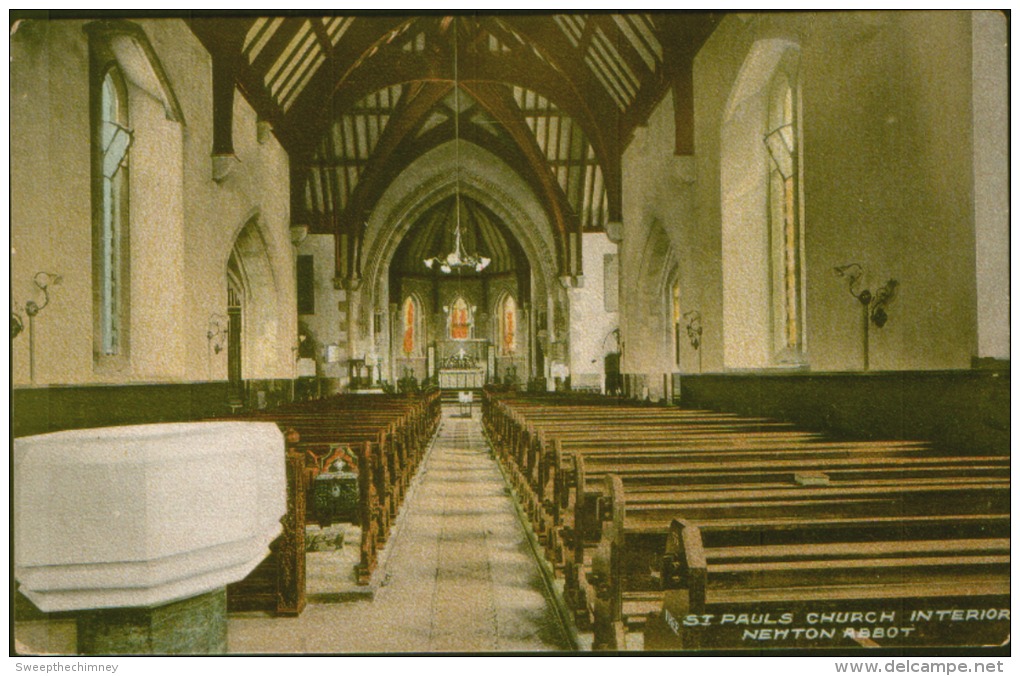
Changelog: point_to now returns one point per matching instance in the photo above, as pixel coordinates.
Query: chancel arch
(462, 305)
(500, 215)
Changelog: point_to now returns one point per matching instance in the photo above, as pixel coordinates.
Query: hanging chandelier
(458, 259)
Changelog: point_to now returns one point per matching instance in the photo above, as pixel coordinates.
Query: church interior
(486, 332)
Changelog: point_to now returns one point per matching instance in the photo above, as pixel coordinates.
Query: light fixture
(42, 280)
(694, 330)
(217, 332)
(873, 305)
(458, 259)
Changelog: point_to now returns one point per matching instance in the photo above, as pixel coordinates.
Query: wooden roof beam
(317, 106)
(414, 106)
(682, 38)
(601, 119)
(497, 100)
(223, 38)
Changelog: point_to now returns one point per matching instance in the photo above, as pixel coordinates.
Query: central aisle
(459, 574)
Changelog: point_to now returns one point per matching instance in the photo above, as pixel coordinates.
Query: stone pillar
(139, 529)
(194, 626)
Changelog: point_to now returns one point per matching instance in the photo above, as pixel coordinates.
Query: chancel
(731, 292)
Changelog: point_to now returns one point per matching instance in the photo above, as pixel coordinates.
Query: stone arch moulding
(748, 302)
(644, 332)
(762, 61)
(661, 264)
(433, 182)
(138, 59)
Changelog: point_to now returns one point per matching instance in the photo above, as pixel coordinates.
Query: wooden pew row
(647, 465)
(895, 570)
(534, 463)
(621, 566)
(536, 472)
(546, 480)
(383, 439)
(574, 501)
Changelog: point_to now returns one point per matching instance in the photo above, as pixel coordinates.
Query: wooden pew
(382, 438)
(621, 474)
(892, 571)
(620, 566)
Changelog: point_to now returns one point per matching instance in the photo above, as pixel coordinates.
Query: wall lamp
(217, 332)
(215, 335)
(693, 318)
(873, 305)
(42, 280)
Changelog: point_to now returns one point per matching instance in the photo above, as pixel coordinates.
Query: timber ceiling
(482, 233)
(355, 99)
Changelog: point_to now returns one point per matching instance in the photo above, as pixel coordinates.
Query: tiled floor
(459, 574)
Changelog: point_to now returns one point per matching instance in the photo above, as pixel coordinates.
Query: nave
(725, 273)
(457, 575)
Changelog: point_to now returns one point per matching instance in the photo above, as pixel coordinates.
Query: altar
(461, 379)
(462, 364)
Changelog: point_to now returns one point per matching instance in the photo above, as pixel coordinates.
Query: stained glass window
(508, 325)
(675, 298)
(410, 314)
(781, 140)
(113, 142)
(460, 320)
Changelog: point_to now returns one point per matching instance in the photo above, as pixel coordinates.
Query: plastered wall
(887, 182)
(182, 223)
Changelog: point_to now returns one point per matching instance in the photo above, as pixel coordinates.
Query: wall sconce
(42, 280)
(217, 332)
(873, 305)
(693, 318)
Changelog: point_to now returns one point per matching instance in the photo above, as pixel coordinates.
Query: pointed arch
(111, 264)
(249, 268)
(507, 324)
(460, 319)
(413, 326)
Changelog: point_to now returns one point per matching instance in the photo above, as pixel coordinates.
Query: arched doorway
(252, 310)
(235, 384)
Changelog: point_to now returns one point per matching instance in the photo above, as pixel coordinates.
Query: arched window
(112, 140)
(784, 223)
(411, 316)
(135, 132)
(508, 325)
(460, 320)
(762, 230)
